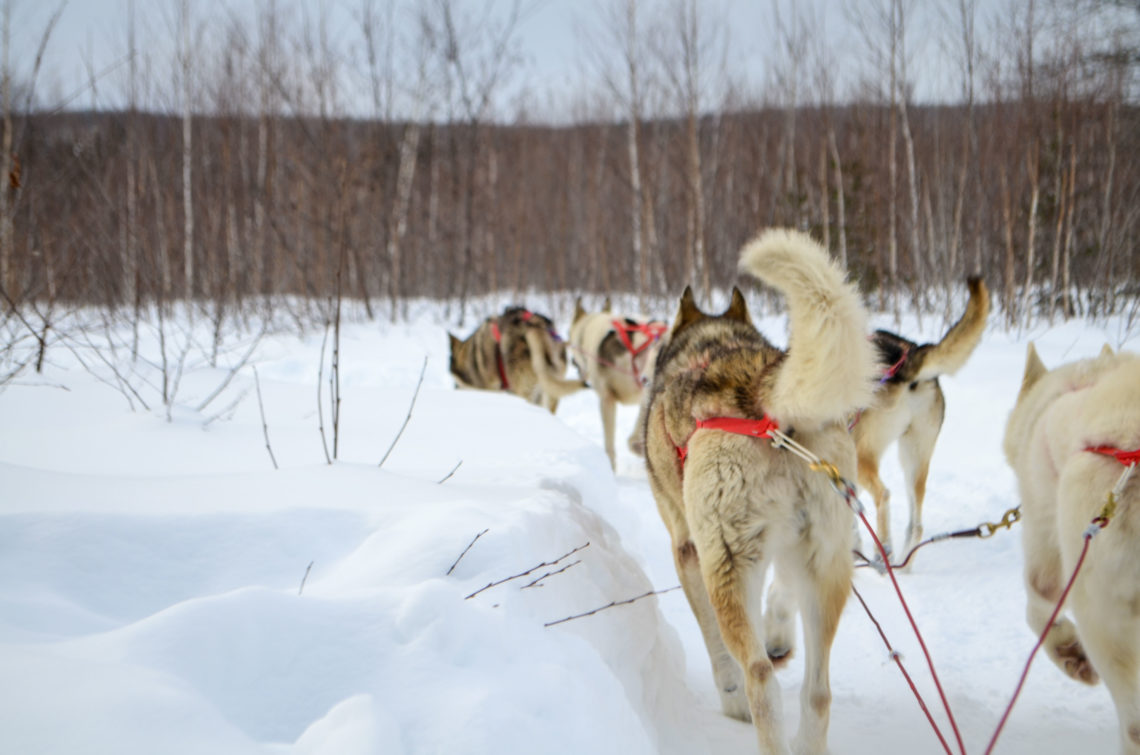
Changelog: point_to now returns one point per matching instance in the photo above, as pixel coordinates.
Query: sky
(164, 588)
(558, 41)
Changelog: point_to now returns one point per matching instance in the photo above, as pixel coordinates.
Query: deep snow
(164, 589)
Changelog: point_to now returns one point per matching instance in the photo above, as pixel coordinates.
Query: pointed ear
(687, 310)
(1034, 369)
(738, 309)
(579, 313)
(1106, 351)
(606, 305)
(454, 343)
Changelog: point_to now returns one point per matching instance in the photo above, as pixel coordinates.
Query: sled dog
(1068, 439)
(909, 408)
(615, 354)
(518, 351)
(734, 504)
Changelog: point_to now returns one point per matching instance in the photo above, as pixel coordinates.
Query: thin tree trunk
(1031, 242)
(187, 156)
(405, 177)
(840, 202)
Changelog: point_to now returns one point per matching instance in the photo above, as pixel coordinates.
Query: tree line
(249, 186)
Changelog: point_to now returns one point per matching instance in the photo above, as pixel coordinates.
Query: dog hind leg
(1043, 587)
(779, 622)
(727, 579)
(608, 406)
(823, 593)
(916, 446)
(869, 479)
(1110, 632)
(727, 674)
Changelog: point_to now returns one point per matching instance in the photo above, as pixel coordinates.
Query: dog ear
(579, 313)
(453, 343)
(687, 312)
(606, 305)
(1034, 369)
(738, 309)
(1106, 351)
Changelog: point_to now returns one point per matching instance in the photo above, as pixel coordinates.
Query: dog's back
(1061, 439)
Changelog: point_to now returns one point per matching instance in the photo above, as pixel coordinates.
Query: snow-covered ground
(164, 589)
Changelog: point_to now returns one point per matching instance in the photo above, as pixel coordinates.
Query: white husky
(1060, 441)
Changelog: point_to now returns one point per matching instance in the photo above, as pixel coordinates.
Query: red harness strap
(1127, 458)
(651, 330)
(756, 428)
(498, 335)
(891, 371)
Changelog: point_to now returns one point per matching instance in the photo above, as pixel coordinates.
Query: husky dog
(909, 408)
(733, 504)
(615, 354)
(1067, 439)
(518, 351)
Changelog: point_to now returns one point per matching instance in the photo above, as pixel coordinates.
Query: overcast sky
(557, 64)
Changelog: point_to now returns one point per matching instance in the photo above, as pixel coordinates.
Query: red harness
(891, 371)
(756, 428)
(498, 335)
(1127, 458)
(651, 330)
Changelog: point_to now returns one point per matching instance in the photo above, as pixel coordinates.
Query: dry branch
(531, 570)
(464, 553)
(264, 424)
(611, 605)
(452, 472)
(407, 418)
(536, 582)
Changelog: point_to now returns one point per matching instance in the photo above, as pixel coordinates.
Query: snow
(164, 589)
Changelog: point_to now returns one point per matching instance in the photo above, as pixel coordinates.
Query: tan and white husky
(615, 355)
(1068, 438)
(518, 351)
(735, 505)
(909, 408)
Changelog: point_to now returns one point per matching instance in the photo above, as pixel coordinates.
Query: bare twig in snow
(611, 605)
(452, 472)
(407, 418)
(536, 582)
(241, 363)
(464, 553)
(304, 578)
(265, 425)
(532, 569)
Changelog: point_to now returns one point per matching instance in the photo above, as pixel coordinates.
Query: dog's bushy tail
(553, 385)
(830, 368)
(948, 355)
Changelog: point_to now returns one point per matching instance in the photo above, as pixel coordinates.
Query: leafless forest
(270, 164)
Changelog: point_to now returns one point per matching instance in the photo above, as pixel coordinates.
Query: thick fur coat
(735, 505)
(517, 351)
(1059, 416)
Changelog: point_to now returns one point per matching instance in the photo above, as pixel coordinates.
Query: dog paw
(1072, 659)
(779, 655)
(734, 704)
